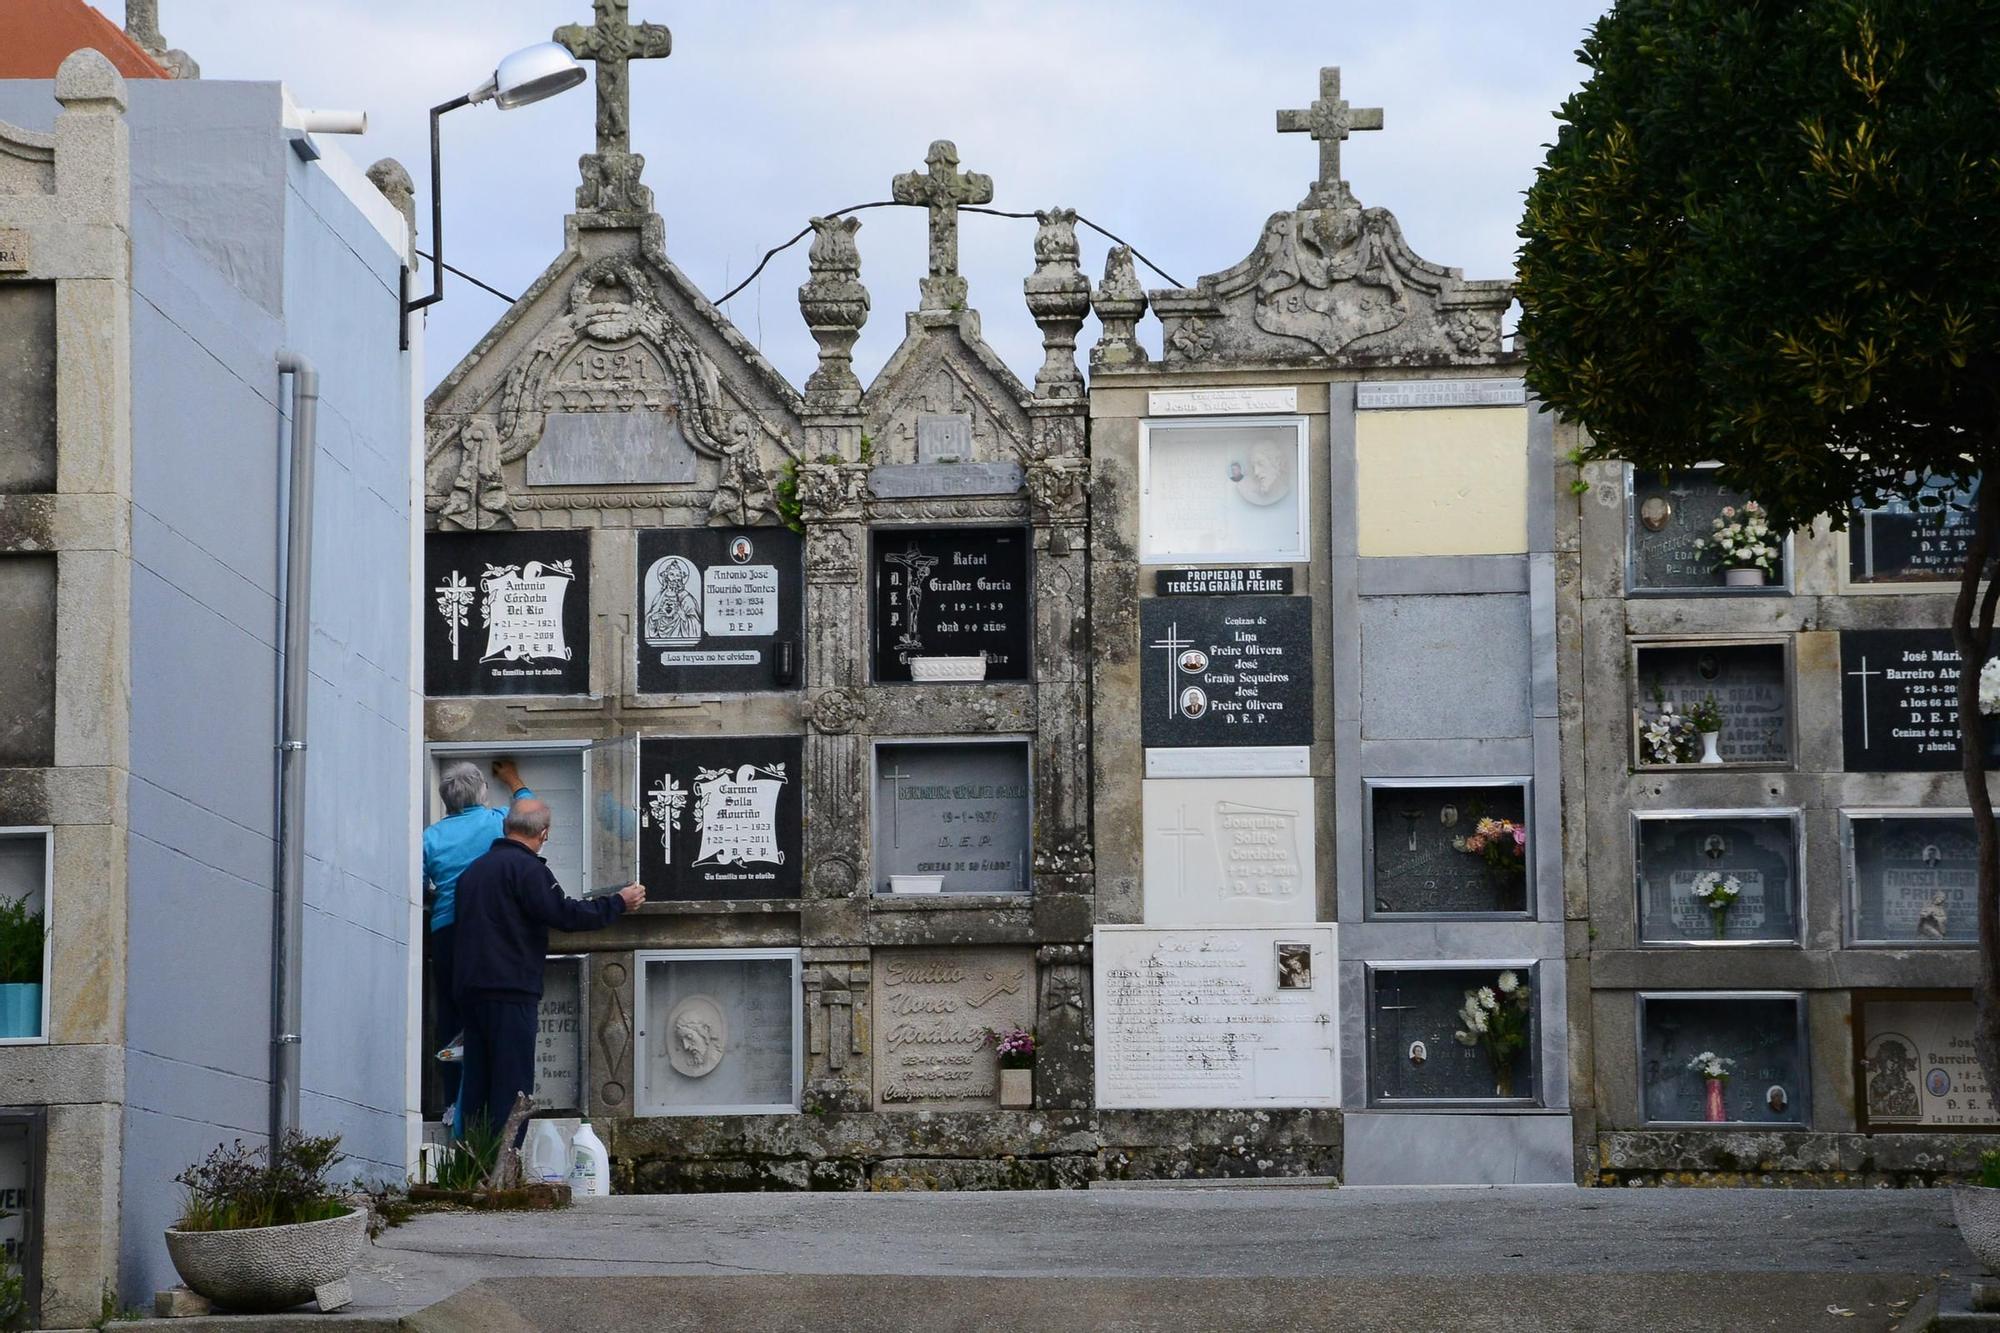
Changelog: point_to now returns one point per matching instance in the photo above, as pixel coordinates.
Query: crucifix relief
(611, 174)
(1329, 120)
(943, 189)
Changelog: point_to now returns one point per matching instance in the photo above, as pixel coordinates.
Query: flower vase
(1718, 921)
(1709, 754)
(1503, 1082)
(1715, 1114)
(1017, 1089)
(1749, 576)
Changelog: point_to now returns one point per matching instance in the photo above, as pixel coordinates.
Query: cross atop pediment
(942, 189)
(1329, 120)
(611, 174)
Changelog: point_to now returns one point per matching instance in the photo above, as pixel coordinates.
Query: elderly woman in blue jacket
(450, 845)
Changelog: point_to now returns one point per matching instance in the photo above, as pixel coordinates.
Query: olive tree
(1768, 235)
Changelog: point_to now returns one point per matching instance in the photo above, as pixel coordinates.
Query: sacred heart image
(673, 602)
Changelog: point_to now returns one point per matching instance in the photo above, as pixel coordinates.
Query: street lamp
(528, 75)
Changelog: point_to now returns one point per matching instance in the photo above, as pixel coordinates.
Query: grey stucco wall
(241, 249)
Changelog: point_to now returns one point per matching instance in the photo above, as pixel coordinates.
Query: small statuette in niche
(1934, 919)
(1418, 1053)
(697, 1036)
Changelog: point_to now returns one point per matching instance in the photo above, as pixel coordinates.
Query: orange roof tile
(37, 35)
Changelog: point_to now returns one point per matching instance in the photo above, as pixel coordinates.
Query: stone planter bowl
(261, 1270)
(1976, 1209)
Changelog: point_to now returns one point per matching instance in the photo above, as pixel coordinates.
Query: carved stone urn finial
(835, 306)
(1120, 302)
(1059, 298)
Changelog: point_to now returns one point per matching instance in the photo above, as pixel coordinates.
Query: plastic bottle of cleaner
(590, 1174)
(548, 1155)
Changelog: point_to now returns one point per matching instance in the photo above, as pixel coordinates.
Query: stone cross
(943, 189)
(1183, 831)
(1329, 120)
(611, 174)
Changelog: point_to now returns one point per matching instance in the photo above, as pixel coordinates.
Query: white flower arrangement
(1742, 540)
(1989, 686)
(1710, 1065)
(1669, 737)
(1716, 890)
(1508, 983)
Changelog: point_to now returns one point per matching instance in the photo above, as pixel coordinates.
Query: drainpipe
(287, 920)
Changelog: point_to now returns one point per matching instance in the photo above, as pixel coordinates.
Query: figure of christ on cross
(611, 174)
(942, 189)
(1329, 120)
(916, 568)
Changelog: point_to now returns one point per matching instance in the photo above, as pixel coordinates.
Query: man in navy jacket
(508, 901)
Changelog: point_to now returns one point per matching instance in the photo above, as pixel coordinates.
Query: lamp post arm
(437, 224)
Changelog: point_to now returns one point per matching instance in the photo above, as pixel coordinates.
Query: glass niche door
(591, 789)
(719, 1031)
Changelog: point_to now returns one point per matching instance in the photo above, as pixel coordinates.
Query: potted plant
(1714, 1070)
(22, 933)
(1502, 844)
(1496, 1017)
(1975, 1206)
(1016, 1049)
(263, 1231)
(1742, 546)
(1706, 719)
(1718, 893)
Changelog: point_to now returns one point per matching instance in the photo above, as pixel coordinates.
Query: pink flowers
(1501, 843)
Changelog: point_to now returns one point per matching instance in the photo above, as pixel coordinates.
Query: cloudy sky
(1152, 117)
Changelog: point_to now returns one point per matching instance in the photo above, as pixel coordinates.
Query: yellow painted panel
(1442, 481)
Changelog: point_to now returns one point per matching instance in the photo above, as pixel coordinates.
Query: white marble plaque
(1238, 1017)
(1234, 851)
(1220, 402)
(1236, 761)
(1440, 393)
(1223, 491)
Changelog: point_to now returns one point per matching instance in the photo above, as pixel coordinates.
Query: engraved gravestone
(1428, 855)
(955, 811)
(1223, 490)
(933, 1009)
(1904, 542)
(720, 817)
(559, 1037)
(1747, 682)
(1216, 1017)
(1670, 513)
(1414, 1055)
(1226, 671)
(507, 613)
(641, 446)
(1915, 879)
(1918, 1068)
(1228, 850)
(720, 609)
(903, 481)
(1676, 856)
(1767, 1083)
(951, 592)
(718, 1035)
(1899, 702)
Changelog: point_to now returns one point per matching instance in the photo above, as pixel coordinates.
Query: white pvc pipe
(333, 122)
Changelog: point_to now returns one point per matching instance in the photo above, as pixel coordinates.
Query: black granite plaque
(1759, 852)
(1423, 863)
(1747, 682)
(1905, 542)
(1899, 702)
(1226, 671)
(1413, 1055)
(506, 613)
(952, 592)
(720, 609)
(1223, 581)
(1669, 515)
(1915, 879)
(1767, 1083)
(720, 817)
(957, 812)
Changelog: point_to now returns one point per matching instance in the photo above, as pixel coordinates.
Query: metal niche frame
(1370, 786)
(1637, 644)
(1302, 490)
(1850, 874)
(1795, 815)
(1632, 588)
(1801, 1103)
(878, 893)
(642, 961)
(44, 834)
(1373, 971)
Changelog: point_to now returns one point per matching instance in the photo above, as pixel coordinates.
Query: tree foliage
(1768, 234)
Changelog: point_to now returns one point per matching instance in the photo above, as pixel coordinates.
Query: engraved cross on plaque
(1413, 816)
(895, 778)
(1182, 831)
(942, 189)
(1329, 120)
(611, 174)
(1173, 643)
(1864, 673)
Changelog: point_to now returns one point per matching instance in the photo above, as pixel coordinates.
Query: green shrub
(1989, 1169)
(22, 932)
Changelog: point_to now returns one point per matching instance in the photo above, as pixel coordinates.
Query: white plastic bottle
(548, 1155)
(590, 1172)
